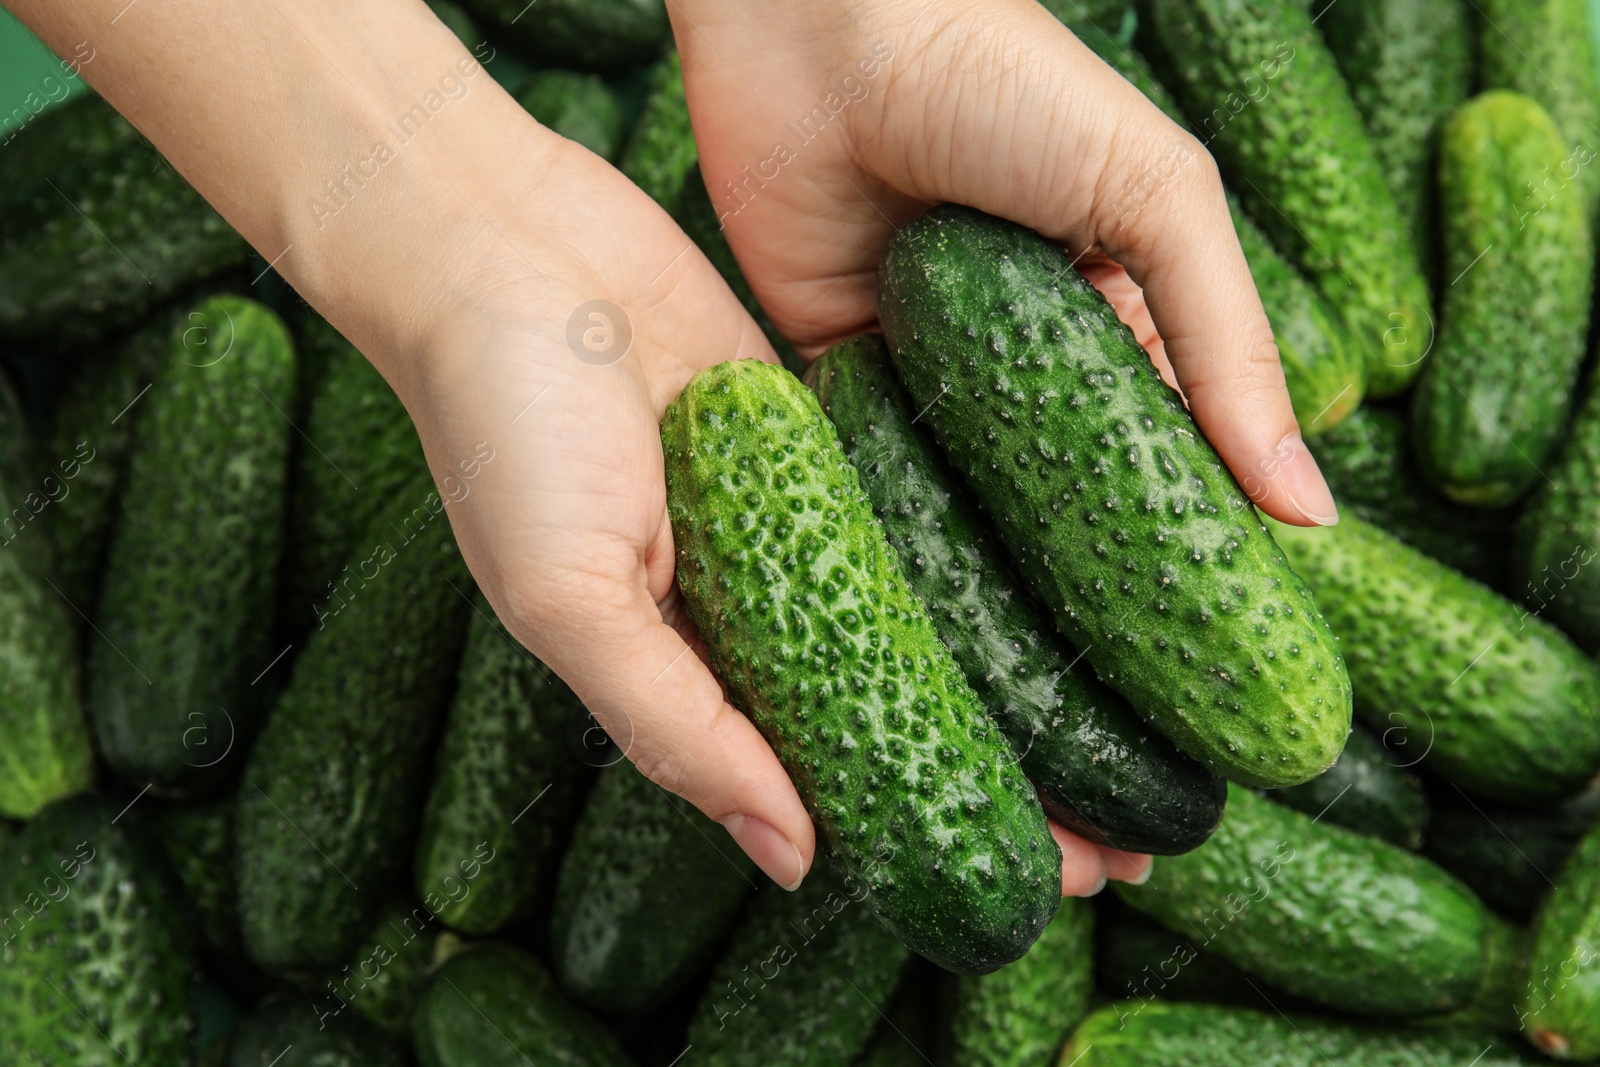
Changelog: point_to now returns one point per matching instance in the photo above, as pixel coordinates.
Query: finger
(1127, 300)
(1083, 869)
(1113, 175)
(1130, 867)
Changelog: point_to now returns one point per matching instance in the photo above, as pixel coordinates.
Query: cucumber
(366, 454)
(1366, 790)
(94, 933)
(198, 841)
(577, 106)
(77, 129)
(384, 976)
(184, 624)
(1020, 1015)
(908, 1027)
(1493, 1008)
(1409, 64)
(1555, 536)
(45, 753)
(457, 22)
(1204, 1035)
(588, 34)
(93, 243)
(93, 435)
(803, 980)
(1344, 920)
(1559, 1006)
(1546, 48)
(1099, 770)
(1498, 701)
(288, 1033)
(506, 785)
(496, 1006)
(661, 151)
(1491, 408)
(1143, 960)
(1266, 97)
(1324, 371)
(1367, 463)
(646, 894)
(1159, 569)
(1508, 854)
(334, 785)
(809, 623)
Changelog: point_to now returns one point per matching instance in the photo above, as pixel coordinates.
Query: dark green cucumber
(92, 438)
(661, 151)
(1266, 97)
(1204, 1035)
(1497, 701)
(458, 22)
(906, 1035)
(184, 623)
(366, 453)
(335, 783)
(1490, 410)
(98, 243)
(289, 1033)
(1559, 1006)
(1546, 48)
(588, 34)
(1409, 64)
(1323, 370)
(96, 967)
(1556, 535)
(810, 624)
(648, 889)
(1366, 790)
(1115, 508)
(45, 753)
(1139, 959)
(1342, 919)
(1493, 1008)
(1367, 463)
(1100, 771)
(577, 106)
(1020, 1015)
(506, 785)
(198, 841)
(805, 977)
(85, 127)
(1510, 855)
(384, 976)
(496, 1006)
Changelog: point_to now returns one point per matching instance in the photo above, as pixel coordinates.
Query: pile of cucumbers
(278, 788)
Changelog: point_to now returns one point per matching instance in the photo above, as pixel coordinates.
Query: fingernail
(775, 854)
(1144, 875)
(1101, 884)
(1302, 481)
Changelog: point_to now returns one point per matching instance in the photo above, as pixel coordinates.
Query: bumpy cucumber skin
(1559, 1006)
(810, 624)
(1100, 771)
(597, 35)
(1491, 408)
(579, 107)
(804, 979)
(1367, 463)
(645, 895)
(198, 841)
(103, 241)
(333, 788)
(362, 434)
(384, 975)
(1556, 543)
(1294, 117)
(1499, 701)
(1408, 64)
(292, 1030)
(496, 1006)
(1115, 508)
(1020, 1015)
(101, 971)
(1546, 48)
(93, 419)
(1344, 920)
(1493, 1008)
(661, 151)
(1366, 790)
(185, 613)
(503, 746)
(1131, 1034)
(45, 753)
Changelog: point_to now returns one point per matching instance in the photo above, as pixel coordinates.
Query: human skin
(457, 268)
